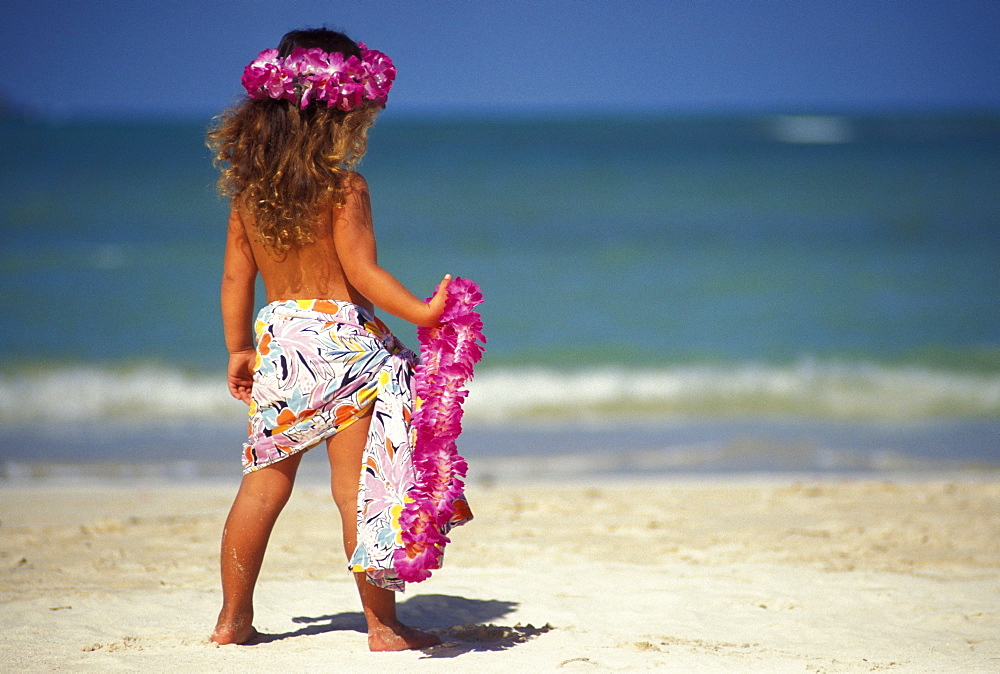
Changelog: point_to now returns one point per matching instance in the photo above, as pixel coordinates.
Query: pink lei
(448, 353)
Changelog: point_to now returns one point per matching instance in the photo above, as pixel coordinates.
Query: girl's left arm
(239, 274)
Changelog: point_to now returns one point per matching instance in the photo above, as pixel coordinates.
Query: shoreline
(742, 572)
(587, 449)
(485, 473)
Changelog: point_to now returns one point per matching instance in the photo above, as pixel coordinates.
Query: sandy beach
(746, 573)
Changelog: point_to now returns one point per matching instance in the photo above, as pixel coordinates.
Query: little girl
(324, 368)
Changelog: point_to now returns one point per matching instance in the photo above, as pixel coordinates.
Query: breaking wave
(806, 389)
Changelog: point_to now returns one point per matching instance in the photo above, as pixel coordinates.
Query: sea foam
(806, 389)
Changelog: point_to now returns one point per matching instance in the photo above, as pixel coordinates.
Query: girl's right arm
(354, 239)
(239, 274)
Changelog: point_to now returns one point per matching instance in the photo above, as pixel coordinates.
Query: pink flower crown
(308, 75)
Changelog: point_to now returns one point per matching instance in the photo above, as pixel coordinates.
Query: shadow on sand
(464, 625)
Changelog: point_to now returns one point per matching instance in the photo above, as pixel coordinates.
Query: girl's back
(314, 270)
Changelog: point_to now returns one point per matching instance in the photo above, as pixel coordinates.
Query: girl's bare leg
(385, 632)
(258, 503)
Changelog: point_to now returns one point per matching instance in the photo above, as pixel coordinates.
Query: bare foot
(238, 631)
(399, 638)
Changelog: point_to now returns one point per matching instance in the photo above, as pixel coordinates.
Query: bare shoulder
(356, 208)
(236, 226)
(235, 221)
(354, 182)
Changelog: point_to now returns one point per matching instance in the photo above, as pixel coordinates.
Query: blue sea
(663, 294)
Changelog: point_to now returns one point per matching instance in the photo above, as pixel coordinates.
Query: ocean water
(732, 292)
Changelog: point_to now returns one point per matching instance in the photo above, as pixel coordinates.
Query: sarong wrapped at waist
(320, 365)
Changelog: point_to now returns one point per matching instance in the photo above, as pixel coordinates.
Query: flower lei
(308, 75)
(448, 353)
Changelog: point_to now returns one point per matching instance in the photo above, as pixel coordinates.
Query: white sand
(771, 574)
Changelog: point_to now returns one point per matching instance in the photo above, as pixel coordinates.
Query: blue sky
(156, 59)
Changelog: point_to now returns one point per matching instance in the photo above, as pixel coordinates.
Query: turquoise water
(770, 266)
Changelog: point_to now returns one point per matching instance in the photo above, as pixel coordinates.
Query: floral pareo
(387, 474)
(320, 365)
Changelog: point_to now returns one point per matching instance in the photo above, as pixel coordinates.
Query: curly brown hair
(280, 164)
